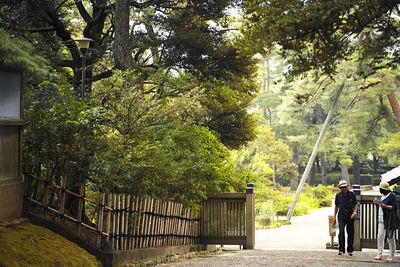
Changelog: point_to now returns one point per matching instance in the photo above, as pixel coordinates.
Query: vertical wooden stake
(81, 206)
(250, 217)
(357, 234)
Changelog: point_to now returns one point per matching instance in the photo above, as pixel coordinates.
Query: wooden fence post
(250, 217)
(62, 196)
(357, 232)
(81, 206)
(108, 210)
(46, 195)
(100, 220)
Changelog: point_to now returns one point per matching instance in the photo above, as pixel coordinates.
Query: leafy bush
(324, 194)
(265, 212)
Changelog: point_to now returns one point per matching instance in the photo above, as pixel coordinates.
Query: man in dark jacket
(345, 210)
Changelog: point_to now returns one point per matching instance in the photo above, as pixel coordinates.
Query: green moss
(31, 245)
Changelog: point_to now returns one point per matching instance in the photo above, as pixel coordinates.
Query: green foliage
(58, 137)
(319, 34)
(323, 194)
(274, 152)
(250, 167)
(390, 147)
(230, 119)
(151, 145)
(141, 137)
(265, 211)
(19, 55)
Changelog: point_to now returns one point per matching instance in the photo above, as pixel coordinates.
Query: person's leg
(350, 236)
(380, 238)
(392, 245)
(341, 236)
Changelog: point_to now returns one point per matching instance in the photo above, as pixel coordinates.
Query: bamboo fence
(114, 221)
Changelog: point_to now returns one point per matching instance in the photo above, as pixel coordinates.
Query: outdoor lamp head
(84, 42)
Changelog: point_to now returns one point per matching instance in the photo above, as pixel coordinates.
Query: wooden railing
(112, 221)
(228, 218)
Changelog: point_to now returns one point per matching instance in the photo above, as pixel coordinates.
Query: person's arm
(353, 215)
(334, 214)
(388, 206)
(335, 211)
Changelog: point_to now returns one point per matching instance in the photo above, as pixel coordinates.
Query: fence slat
(119, 221)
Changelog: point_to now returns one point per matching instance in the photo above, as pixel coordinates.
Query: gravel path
(323, 258)
(300, 244)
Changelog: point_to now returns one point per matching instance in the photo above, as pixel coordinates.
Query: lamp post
(83, 44)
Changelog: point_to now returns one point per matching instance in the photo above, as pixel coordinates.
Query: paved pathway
(300, 244)
(305, 232)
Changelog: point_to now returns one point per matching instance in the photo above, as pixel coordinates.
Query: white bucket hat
(342, 183)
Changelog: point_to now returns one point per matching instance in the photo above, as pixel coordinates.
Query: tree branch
(60, 5)
(66, 63)
(395, 106)
(146, 4)
(44, 29)
(106, 74)
(85, 15)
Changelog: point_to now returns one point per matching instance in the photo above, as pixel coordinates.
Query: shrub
(323, 194)
(265, 212)
(275, 201)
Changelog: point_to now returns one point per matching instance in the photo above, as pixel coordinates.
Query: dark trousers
(349, 225)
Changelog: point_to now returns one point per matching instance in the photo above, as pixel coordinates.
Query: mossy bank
(26, 244)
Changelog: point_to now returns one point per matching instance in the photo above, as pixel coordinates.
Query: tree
(150, 37)
(315, 149)
(18, 55)
(318, 35)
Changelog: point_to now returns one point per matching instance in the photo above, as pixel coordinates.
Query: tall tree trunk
(274, 175)
(122, 52)
(324, 170)
(344, 172)
(315, 151)
(311, 176)
(395, 106)
(374, 165)
(294, 181)
(318, 164)
(356, 170)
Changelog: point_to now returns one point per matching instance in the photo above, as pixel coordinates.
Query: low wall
(123, 257)
(119, 258)
(11, 200)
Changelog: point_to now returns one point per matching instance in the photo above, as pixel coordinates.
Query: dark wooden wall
(9, 152)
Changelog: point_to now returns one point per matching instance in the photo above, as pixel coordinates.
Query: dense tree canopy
(166, 94)
(155, 36)
(169, 84)
(319, 34)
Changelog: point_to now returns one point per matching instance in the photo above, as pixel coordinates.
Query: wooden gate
(369, 224)
(228, 219)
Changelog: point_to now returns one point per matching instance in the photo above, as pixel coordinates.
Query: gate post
(357, 230)
(250, 217)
